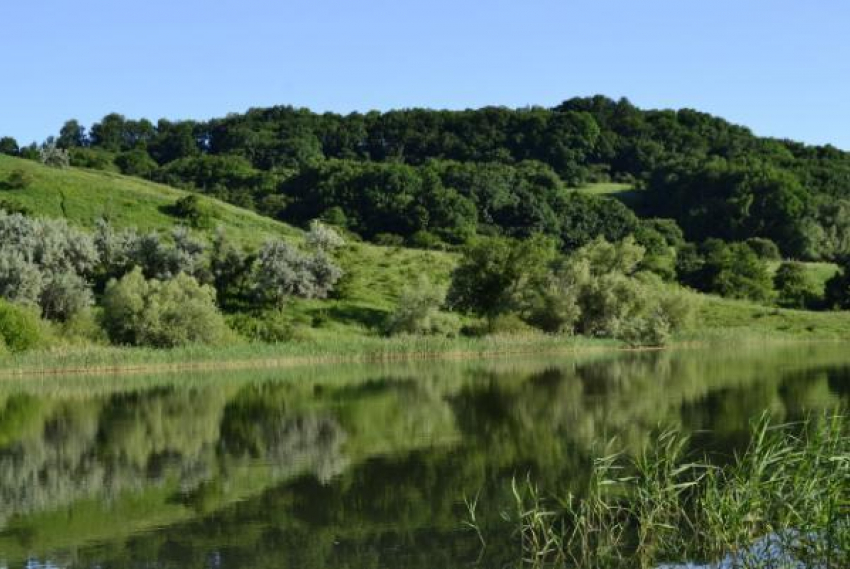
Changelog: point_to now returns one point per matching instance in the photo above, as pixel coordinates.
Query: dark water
(353, 466)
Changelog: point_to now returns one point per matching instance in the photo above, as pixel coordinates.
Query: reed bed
(782, 503)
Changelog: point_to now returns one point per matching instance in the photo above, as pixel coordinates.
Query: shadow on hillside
(365, 316)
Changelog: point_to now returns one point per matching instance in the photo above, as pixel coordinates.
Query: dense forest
(431, 177)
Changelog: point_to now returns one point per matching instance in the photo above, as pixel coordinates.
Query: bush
(282, 272)
(192, 211)
(161, 314)
(764, 248)
(53, 156)
(323, 238)
(269, 326)
(20, 328)
(65, 295)
(389, 240)
(794, 287)
(838, 290)
(136, 163)
(19, 179)
(418, 312)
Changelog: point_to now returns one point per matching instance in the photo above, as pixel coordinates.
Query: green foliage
(495, 273)
(53, 156)
(136, 162)
(271, 326)
(323, 238)
(794, 287)
(94, 158)
(9, 146)
(764, 248)
(161, 314)
(732, 270)
(20, 328)
(192, 210)
(45, 263)
(418, 311)
(19, 179)
(838, 290)
(283, 272)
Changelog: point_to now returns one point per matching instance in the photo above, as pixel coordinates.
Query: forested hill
(433, 178)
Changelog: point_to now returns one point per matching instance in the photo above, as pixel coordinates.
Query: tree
(72, 135)
(838, 289)
(136, 162)
(9, 146)
(793, 286)
(496, 273)
(735, 271)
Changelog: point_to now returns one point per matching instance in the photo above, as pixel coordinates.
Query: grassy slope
(82, 196)
(379, 274)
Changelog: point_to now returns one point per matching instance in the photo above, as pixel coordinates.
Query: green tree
(161, 314)
(9, 146)
(72, 135)
(793, 286)
(496, 275)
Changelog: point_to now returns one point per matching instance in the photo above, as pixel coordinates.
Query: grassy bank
(783, 502)
(330, 349)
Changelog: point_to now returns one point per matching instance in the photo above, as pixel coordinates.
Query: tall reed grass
(784, 502)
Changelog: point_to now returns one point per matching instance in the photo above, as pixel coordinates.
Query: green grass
(819, 273)
(377, 274)
(722, 319)
(789, 486)
(626, 193)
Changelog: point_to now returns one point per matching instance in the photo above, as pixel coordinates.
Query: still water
(354, 466)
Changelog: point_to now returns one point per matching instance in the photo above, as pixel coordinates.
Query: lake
(356, 466)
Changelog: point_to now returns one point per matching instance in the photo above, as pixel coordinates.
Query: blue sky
(781, 67)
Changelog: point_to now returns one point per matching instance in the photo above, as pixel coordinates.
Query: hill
(377, 274)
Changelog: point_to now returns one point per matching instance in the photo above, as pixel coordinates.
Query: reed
(784, 502)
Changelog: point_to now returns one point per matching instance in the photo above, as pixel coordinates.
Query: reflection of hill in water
(339, 465)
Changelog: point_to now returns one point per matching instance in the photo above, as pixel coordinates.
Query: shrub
(323, 238)
(20, 327)
(19, 179)
(794, 287)
(161, 314)
(282, 271)
(53, 156)
(269, 326)
(597, 292)
(764, 248)
(389, 240)
(508, 325)
(192, 211)
(418, 312)
(11, 207)
(136, 162)
(65, 295)
(20, 280)
(838, 290)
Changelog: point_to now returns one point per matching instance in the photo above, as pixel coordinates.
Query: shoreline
(121, 361)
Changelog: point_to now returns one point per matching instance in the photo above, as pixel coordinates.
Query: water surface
(354, 466)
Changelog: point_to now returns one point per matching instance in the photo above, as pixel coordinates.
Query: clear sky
(781, 67)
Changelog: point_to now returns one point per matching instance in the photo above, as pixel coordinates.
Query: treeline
(430, 177)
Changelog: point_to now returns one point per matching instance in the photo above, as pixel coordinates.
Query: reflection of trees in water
(417, 447)
(75, 449)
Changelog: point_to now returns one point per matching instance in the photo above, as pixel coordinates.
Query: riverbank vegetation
(592, 219)
(782, 502)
